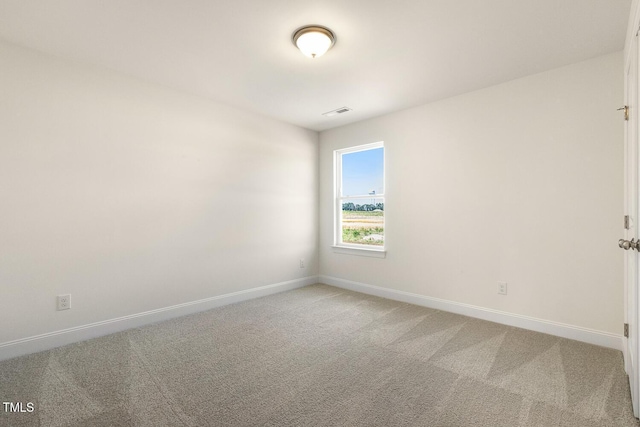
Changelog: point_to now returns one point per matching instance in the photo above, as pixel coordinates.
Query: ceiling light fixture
(313, 40)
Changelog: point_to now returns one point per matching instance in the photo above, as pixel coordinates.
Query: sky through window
(363, 172)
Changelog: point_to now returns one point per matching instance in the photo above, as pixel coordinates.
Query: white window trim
(350, 248)
(359, 251)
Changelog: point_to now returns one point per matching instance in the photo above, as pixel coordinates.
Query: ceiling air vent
(340, 110)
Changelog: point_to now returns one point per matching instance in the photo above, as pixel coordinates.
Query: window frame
(354, 248)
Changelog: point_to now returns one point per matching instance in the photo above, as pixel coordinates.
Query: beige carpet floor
(321, 356)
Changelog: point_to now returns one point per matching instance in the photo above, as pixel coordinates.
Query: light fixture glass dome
(313, 40)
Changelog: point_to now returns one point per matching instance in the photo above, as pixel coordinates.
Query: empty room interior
(319, 213)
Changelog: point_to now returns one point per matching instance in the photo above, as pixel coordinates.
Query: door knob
(626, 244)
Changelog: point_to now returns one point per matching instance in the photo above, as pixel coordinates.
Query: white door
(631, 231)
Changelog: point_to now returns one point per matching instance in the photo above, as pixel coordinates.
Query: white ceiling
(389, 55)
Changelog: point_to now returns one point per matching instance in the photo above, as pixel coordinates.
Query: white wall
(132, 197)
(520, 182)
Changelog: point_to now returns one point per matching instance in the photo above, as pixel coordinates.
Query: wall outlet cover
(502, 288)
(64, 302)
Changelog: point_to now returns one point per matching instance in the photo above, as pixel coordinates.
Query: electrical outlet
(301, 262)
(502, 288)
(64, 302)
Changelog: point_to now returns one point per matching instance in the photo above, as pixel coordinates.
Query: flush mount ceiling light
(313, 40)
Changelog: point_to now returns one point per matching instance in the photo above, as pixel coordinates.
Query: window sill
(349, 250)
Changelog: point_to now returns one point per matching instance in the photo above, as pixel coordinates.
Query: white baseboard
(604, 339)
(54, 339)
(59, 338)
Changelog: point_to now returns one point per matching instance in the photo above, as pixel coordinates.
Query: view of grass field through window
(362, 201)
(363, 227)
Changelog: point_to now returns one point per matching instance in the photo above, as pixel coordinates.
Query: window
(359, 201)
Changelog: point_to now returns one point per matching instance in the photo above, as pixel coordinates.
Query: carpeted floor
(321, 356)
